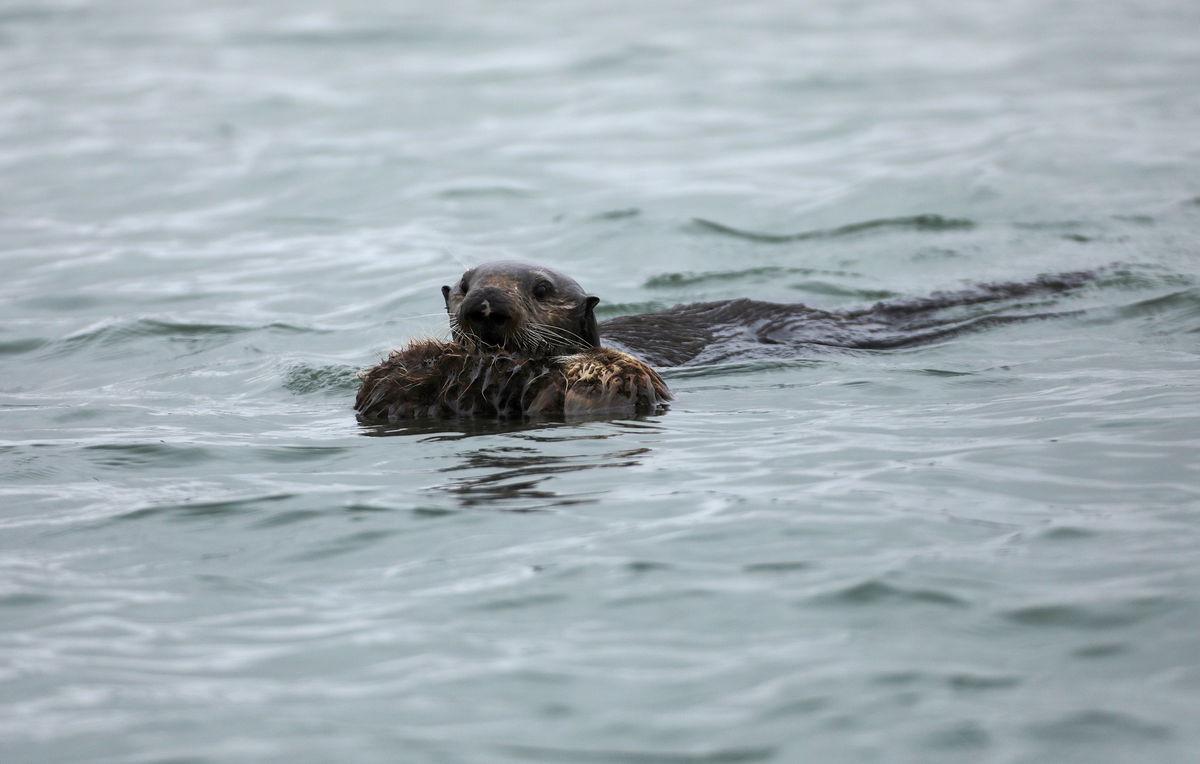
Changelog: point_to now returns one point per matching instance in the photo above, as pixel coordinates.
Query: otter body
(526, 343)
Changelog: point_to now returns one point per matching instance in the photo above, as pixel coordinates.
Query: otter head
(519, 307)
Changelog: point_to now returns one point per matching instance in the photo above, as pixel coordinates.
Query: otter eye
(462, 285)
(542, 290)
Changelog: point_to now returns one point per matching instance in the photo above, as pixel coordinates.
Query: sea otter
(525, 343)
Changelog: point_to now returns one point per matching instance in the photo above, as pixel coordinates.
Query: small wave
(303, 378)
(299, 453)
(958, 736)
(521, 603)
(766, 273)
(622, 214)
(1135, 276)
(204, 509)
(963, 682)
(736, 367)
(1053, 226)
(875, 592)
(145, 454)
(927, 222)
(1089, 616)
(1184, 305)
(1102, 650)
(17, 347)
(33, 14)
(23, 599)
(939, 373)
(349, 36)
(491, 190)
(344, 545)
(119, 332)
(1094, 726)
(629, 756)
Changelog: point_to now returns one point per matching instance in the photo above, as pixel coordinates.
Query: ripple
(23, 599)
(978, 682)
(521, 603)
(1090, 616)
(776, 567)
(875, 592)
(300, 453)
(290, 517)
(318, 37)
(515, 476)
(485, 190)
(146, 454)
(959, 736)
(126, 332)
(927, 222)
(343, 545)
(763, 273)
(621, 214)
(1102, 650)
(1068, 533)
(1183, 306)
(204, 509)
(1094, 726)
(303, 378)
(17, 347)
(646, 566)
(738, 367)
(628, 756)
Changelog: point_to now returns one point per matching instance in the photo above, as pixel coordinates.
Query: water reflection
(518, 474)
(517, 477)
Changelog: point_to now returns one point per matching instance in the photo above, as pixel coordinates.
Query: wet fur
(433, 379)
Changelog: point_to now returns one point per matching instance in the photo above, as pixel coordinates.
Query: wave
(927, 222)
(119, 332)
(303, 378)
(771, 274)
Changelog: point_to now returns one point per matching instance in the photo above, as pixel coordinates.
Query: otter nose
(486, 314)
(489, 314)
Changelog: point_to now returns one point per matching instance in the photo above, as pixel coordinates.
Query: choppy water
(214, 213)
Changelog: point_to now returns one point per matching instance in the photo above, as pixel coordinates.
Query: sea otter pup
(524, 344)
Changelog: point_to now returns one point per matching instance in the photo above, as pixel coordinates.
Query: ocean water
(213, 214)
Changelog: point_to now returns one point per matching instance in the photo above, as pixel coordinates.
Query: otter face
(519, 307)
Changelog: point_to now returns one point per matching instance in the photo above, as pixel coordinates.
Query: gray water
(214, 213)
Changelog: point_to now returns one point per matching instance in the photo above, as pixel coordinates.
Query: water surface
(214, 214)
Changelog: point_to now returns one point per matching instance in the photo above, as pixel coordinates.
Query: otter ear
(446, 297)
(587, 322)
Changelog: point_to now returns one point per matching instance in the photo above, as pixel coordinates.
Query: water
(214, 213)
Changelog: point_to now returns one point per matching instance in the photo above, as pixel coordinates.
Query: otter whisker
(546, 341)
(454, 256)
(421, 315)
(560, 332)
(563, 336)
